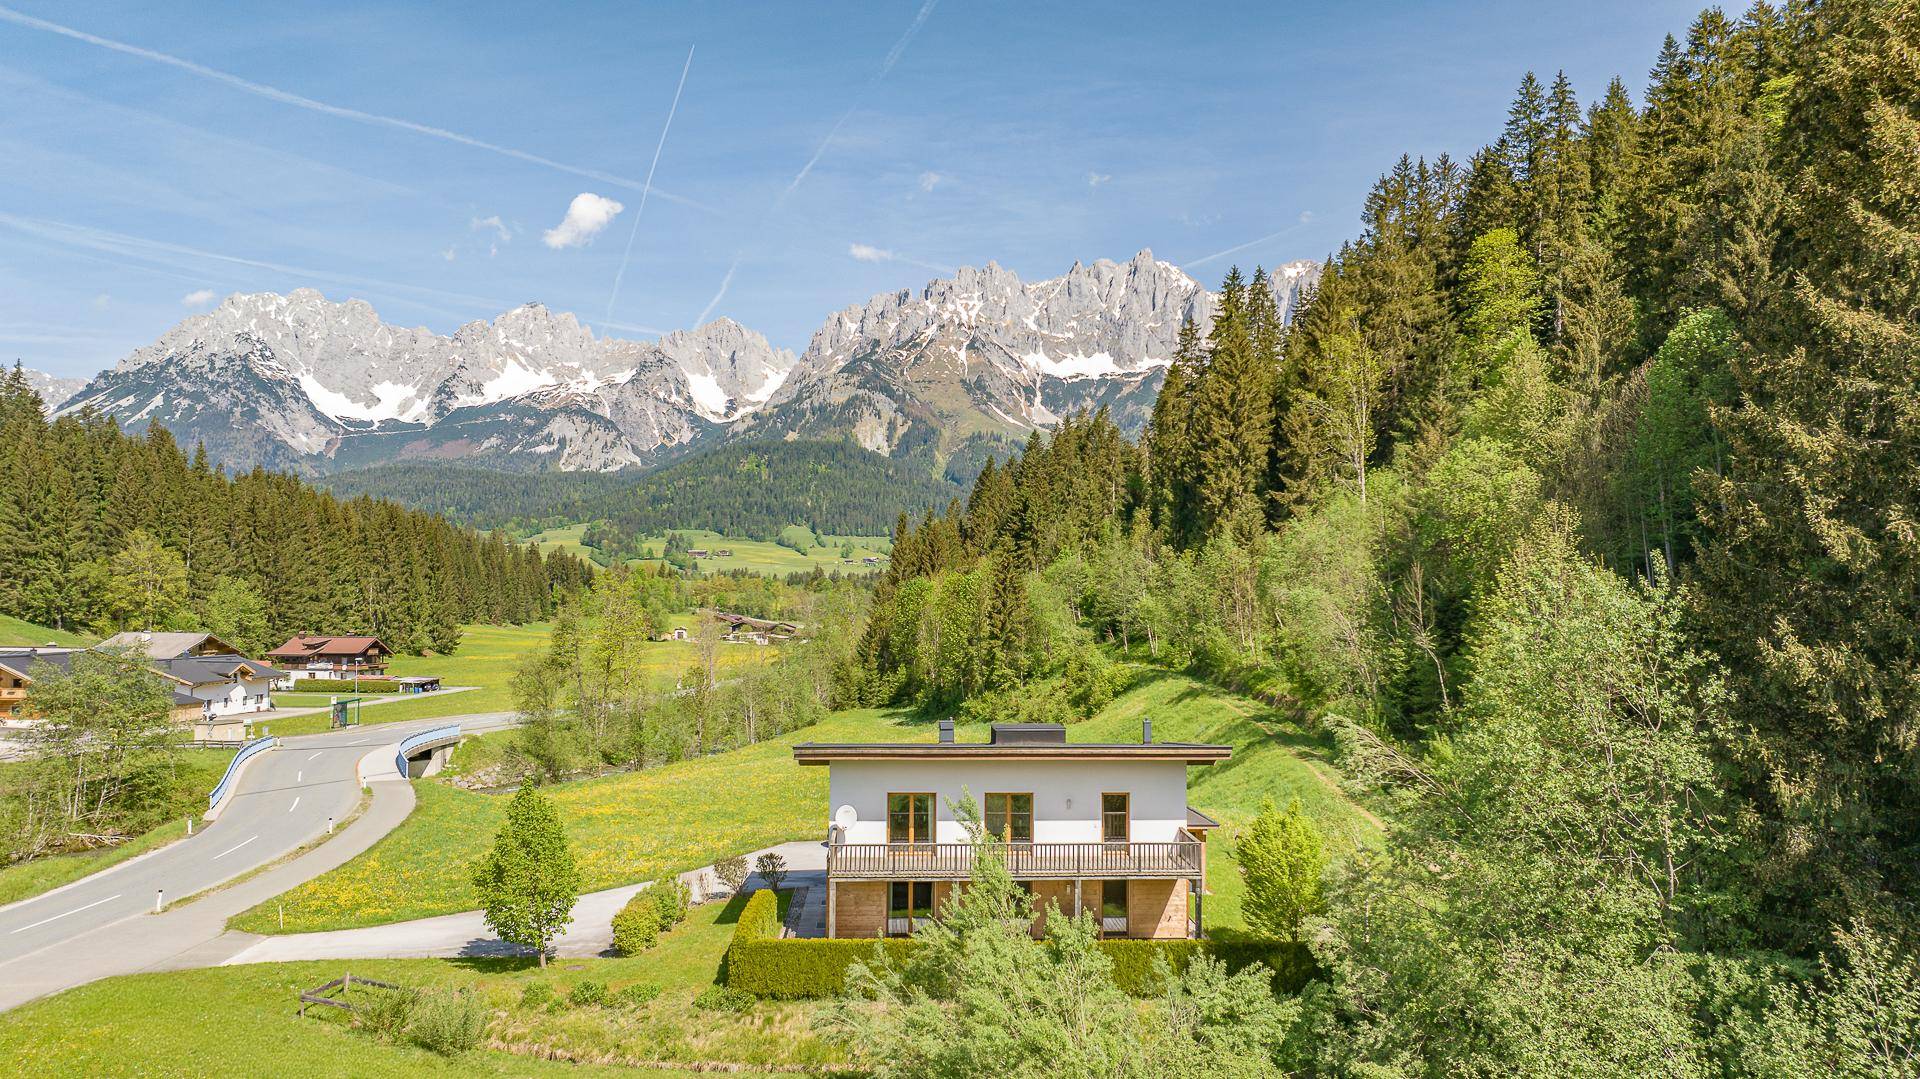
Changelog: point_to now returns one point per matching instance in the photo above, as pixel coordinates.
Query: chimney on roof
(1146, 732)
(946, 732)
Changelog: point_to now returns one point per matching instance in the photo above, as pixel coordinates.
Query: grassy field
(634, 826)
(200, 769)
(756, 556)
(15, 633)
(624, 828)
(240, 1021)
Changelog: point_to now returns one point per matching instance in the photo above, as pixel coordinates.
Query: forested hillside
(1580, 503)
(751, 490)
(104, 530)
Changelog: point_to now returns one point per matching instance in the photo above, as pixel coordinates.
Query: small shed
(418, 683)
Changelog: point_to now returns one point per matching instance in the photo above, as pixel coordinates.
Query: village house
(212, 694)
(1084, 827)
(167, 645)
(746, 629)
(309, 655)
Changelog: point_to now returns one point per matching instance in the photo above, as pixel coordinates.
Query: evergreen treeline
(109, 531)
(751, 490)
(1580, 503)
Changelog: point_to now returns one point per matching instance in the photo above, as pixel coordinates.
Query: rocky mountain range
(303, 383)
(53, 389)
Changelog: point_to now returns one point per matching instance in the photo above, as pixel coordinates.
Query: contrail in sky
(286, 97)
(893, 57)
(1237, 248)
(648, 188)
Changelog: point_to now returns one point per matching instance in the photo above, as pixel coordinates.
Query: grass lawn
(637, 825)
(15, 633)
(757, 556)
(487, 658)
(200, 770)
(240, 1021)
(624, 828)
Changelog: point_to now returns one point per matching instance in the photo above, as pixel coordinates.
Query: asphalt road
(283, 802)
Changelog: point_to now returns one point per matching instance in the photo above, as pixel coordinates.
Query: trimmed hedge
(765, 964)
(1292, 964)
(344, 685)
(761, 962)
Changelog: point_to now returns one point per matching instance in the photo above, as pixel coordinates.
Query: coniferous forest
(1580, 504)
(106, 531)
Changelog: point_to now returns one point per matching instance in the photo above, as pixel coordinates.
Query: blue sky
(425, 158)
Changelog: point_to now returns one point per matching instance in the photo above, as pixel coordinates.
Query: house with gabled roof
(1086, 828)
(309, 655)
(167, 645)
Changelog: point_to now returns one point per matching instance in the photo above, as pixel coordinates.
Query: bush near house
(765, 964)
(346, 685)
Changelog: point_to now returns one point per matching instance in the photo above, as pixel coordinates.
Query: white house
(216, 693)
(1085, 826)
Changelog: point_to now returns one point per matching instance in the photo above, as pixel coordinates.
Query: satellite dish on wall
(846, 816)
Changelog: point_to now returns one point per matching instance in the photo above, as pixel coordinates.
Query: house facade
(213, 695)
(312, 656)
(1084, 827)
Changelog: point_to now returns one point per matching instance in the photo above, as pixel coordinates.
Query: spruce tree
(1812, 568)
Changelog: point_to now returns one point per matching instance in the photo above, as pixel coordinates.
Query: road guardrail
(414, 741)
(247, 752)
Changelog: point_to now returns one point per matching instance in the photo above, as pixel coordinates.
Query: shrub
(761, 962)
(772, 869)
(671, 899)
(588, 994)
(535, 995)
(718, 998)
(344, 685)
(637, 927)
(448, 1021)
(636, 995)
(732, 871)
(385, 1013)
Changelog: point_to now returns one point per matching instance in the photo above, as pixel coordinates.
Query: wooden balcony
(1026, 861)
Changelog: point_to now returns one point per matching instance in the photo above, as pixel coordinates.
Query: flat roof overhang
(1185, 752)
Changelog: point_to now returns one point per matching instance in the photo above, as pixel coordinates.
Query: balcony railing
(1026, 861)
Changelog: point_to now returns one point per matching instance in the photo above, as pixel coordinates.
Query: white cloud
(587, 216)
(869, 253)
(497, 226)
(1306, 216)
(1095, 179)
(102, 301)
(447, 254)
(199, 297)
(930, 180)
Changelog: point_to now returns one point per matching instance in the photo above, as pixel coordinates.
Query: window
(909, 906)
(909, 818)
(1010, 817)
(1113, 818)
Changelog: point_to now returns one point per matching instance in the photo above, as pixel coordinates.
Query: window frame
(1126, 817)
(933, 819)
(1005, 834)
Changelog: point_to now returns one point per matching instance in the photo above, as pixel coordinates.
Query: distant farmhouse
(747, 629)
(309, 655)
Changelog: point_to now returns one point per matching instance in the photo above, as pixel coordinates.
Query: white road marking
(233, 848)
(296, 803)
(317, 754)
(75, 910)
(299, 777)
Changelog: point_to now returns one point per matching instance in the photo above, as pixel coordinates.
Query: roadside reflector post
(189, 824)
(159, 897)
(329, 825)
